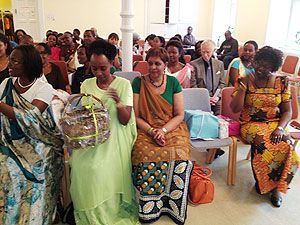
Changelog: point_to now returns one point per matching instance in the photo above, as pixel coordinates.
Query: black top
(229, 48)
(55, 78)
(78, 77)
(4, 74)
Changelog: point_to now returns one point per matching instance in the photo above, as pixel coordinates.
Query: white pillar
(127, 30)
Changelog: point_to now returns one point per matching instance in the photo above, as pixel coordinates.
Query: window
(283, 24)
(224, 19)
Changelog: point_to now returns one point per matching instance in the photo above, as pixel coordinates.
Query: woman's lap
(163, 189)
(274, 165)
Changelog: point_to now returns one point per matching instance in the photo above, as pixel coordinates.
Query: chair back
(196, 98)
(225, 104)
(141, 66)
(241, 50)
(187, 58)
(64, 70)
(226, 100)
(294, 103)
(289, 64)
(137, 58)
(128, 75)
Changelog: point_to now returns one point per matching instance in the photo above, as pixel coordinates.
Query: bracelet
(164, 130)
(119, 104)
(280, 128)
(149, 131)
(243, 85)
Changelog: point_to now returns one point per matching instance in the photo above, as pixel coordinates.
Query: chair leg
(210, 155)
(249, 154)
(295, 144)
(230, 165)
(234, 150)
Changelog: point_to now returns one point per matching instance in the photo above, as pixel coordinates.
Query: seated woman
(148, 44)
(26, 39)
(51, 71)
(30, 146)
(176, 65)
(113, 39)
(101, 182)
(68, 50)
(5, 50)
(82, 73)
(197, 53)
(264, 102)
(161, 154)
(18, 34)
(240, 67)
(159, 41)
(52, 42)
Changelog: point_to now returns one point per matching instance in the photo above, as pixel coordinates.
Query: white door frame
(40, 26)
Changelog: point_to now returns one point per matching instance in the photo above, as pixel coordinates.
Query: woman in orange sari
(161, 154)
(264, 102)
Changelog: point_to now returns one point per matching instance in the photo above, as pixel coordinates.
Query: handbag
(201, 124)
(234, 126)
(201, 188)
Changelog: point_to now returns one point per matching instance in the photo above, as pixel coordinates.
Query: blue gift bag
(201, 124)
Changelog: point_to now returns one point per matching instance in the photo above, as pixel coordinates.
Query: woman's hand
(113, 94)
(159, 136)
(276, 136)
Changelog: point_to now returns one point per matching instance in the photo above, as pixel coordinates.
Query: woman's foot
(276, 199)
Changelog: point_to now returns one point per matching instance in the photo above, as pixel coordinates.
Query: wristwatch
(164, 130)
(280, 128)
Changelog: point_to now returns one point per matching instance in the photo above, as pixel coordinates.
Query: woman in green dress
(101, 183)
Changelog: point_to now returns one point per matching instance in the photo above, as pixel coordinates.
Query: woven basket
(85, 122)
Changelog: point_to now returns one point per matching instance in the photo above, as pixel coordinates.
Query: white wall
(103, 14)
(251, 19)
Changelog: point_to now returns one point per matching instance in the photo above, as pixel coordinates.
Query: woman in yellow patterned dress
(264, 102)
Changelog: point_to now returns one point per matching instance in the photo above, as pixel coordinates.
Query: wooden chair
(226, 111)
(289, 65)
(137, 58)
(187, 58)
(241, 50)
(66, 182)
(198, 98)
(141, 66)
(128, 75)
(64, 71)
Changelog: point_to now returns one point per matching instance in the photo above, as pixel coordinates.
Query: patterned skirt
(163, 189)
(274, 166)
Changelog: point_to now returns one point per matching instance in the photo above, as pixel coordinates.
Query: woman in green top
(101, 183)
(161, 154)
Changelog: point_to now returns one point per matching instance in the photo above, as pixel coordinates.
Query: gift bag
(234, 126)
(223, 129)
(201, 124)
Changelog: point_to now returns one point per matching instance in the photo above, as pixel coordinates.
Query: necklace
(26, 86)
(157, 86)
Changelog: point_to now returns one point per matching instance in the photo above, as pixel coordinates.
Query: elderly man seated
(209, 73)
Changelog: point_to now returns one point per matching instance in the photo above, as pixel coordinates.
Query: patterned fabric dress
(161, 174)
(31, 164)
(101, 183)
(273, 166)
